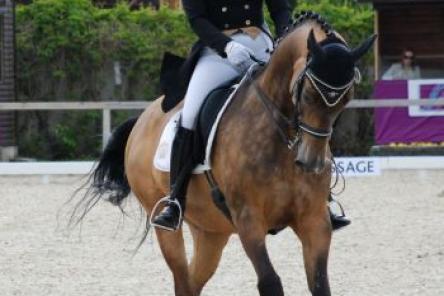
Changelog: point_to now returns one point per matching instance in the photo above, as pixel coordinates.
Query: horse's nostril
(299, 163)
(309, 167)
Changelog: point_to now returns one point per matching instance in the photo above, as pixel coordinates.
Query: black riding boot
(337, 221)
(182, 166)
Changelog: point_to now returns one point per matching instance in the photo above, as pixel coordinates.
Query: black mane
(304, 16)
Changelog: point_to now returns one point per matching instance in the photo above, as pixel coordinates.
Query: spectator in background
(405, 70)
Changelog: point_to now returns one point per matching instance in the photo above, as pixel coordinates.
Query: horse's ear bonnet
(332, 60)
(314, 48)
(362, 49)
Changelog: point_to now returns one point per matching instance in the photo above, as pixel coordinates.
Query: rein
(281, 119)
(282, 122)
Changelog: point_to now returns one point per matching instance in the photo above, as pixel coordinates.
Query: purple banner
(396, 125)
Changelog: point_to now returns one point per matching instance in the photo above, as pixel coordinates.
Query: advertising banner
(358, 166)
(409, 124)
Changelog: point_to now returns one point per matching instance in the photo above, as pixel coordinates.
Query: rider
(230, 33)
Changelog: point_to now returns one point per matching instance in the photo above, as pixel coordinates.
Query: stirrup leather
(167, 200)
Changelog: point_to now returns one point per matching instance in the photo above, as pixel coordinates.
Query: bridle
(326, 91)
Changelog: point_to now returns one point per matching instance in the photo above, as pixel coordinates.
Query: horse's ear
(362, 49)
(313, 46)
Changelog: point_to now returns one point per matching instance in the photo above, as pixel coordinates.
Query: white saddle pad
(163, 152)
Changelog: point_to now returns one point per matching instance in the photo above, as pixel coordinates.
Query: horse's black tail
(108, 179)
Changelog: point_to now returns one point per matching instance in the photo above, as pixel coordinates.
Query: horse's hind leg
(252, 235)
(207, 253)
(314, 232)
(173, 250)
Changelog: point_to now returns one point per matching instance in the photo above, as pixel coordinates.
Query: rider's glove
(239, 56)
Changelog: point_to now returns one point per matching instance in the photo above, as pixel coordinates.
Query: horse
(271, 161)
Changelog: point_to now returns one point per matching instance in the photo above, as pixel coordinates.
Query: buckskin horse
(272, 162)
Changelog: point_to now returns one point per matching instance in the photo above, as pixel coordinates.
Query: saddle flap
(207, 116)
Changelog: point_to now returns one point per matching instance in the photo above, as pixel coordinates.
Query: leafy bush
(66, 50)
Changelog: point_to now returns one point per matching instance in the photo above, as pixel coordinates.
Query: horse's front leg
(252, 234)
(315, 230)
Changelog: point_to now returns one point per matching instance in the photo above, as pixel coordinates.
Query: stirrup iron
(167, 200)
(340, 207)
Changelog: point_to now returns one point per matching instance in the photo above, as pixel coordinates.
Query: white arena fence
(351, 166)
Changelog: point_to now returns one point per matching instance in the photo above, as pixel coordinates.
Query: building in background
(8, 149)
(410, 24)
(418, 26)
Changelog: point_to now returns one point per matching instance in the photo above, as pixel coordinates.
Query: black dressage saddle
(212, 106)
(208, 114)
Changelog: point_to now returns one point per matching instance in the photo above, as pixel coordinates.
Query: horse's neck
(252, 121)
(277, 78)
(275, 82)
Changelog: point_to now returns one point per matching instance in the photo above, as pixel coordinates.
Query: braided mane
(304, 16)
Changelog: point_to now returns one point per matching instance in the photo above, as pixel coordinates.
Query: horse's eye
(308, 95)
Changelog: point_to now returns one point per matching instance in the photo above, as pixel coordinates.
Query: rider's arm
(280, 11)
(209, 34)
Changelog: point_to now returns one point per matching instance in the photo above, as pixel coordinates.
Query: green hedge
(73, 40)
(65, 49)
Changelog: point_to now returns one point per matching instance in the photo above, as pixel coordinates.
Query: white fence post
(106, 126)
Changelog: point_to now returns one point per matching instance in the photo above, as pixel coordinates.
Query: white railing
(107, 107)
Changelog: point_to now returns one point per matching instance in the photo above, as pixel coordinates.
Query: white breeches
(212, 71)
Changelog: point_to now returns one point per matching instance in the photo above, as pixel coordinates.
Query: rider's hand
(239, 55)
